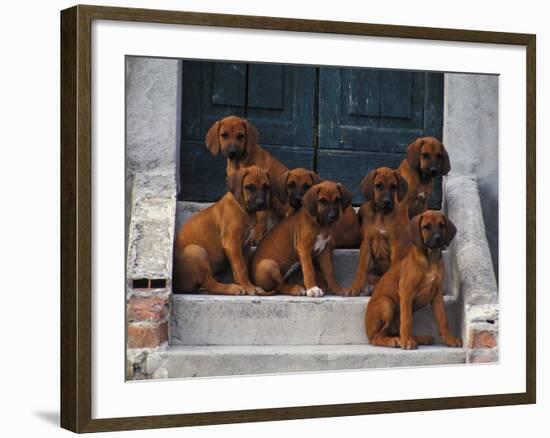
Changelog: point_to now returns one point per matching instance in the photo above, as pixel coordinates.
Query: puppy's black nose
(295, 202)
(387, 202)
(434, 171)
(332, 217)
(438, 240)
(260, 204)
(233, 153)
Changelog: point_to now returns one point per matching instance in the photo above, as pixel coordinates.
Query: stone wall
(473, 274)
(470, 133)
(153, 95)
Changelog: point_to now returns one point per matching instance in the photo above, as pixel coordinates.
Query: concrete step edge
(201, 361)
(178, 298)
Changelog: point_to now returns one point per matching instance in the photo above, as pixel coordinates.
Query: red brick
(147, 336)
(483, 339)
(147, 309)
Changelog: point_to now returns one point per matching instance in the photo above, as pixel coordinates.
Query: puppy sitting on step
(410, 284)
(300, 239)
(222, 233)
(295, 183)
(292, 187)
(384, 220)
(237, 139)
(426, 159)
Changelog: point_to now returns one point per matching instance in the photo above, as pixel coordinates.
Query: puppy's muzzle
(260, 204)
(332, 217)
(233, 151)
(435, 241)
(295, 202)
(386, 203)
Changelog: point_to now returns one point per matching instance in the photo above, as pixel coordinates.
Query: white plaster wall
(152, 109)
(470, 134)
(153, 102)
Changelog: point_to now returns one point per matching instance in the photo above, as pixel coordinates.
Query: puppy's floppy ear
(309, 200)
(315, 178)
(413, 153)
(451, 231)
(252, 135)
(415, 232)
(402, 186)
(445, 162)
(213, 138)
(367, 185)
(235, 183)
(279, 188)
(345, 196)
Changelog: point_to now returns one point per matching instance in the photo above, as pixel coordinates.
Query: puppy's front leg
(310, 282)
(438, 308)
(234, 253)
(261, 226)
(325, 262)
(362, 268)
(406, 340)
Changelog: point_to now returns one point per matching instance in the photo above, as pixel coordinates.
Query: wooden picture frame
(76, 217)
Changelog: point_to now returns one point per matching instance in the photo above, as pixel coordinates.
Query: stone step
(281, 320)
(204, 361)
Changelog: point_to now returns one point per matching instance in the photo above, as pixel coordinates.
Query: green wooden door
(277, 99)
(340, 122)
(368, 117)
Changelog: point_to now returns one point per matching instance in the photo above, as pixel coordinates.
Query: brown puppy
(426, 159)
(384, 220)
(295, 183)
(410, 284)
(221, 233)
(237, 139)
(292, 187)
(299, 239)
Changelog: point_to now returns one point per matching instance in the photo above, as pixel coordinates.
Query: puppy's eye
(425, 155)
(322, 201)
(224, 134)
(379, 186)
(439, 155)
(291, 185)
(240, 136)
(336, 200)
(250, 187)
(442, 225)
(393, 186)
(265, 187)
(427, 226)
(306, 186)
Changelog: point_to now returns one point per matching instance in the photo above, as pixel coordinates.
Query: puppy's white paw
(314, 292)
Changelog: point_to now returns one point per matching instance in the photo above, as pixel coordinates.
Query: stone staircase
(211, 335)
(214, 335)
(216, 320)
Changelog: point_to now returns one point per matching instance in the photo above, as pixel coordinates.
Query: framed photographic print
(304, 218)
